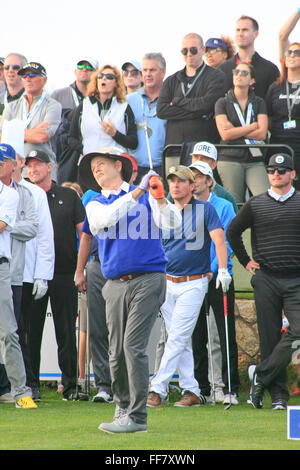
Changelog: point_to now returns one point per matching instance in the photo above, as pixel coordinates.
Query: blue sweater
(188, 248)
(128, 247)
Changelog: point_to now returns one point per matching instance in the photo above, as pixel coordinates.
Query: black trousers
(199, 340)
(272, 296)
(63, 297)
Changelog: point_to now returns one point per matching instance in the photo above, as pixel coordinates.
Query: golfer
(188, 272)
(126, 221)
(273, 217)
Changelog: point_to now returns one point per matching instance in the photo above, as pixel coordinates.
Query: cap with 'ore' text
(33, 67)
(206, 149)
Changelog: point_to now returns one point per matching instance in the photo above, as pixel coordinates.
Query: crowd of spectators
(221, 108)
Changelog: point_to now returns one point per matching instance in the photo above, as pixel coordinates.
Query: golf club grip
(225, 304)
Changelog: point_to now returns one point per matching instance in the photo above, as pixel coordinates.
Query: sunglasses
(30, 74)
(13, 67)
(280, 170)
(289, 53)
(109, 76)
(192, 50)
(243, 73)
(213, 51)
(88, 67)
(133, 73)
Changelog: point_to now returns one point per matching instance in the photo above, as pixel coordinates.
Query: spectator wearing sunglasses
(70, 96)
(273, 218)
(217, 50)
(132, 76)
(40, 113)
(247, 30)
(283, 105)
(187, 97)
(104, 118)
(13, 62)
(242, 118)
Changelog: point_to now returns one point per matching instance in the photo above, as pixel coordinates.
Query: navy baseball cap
(213, 43)
(8, 151)
(282, 159)
(33, 67)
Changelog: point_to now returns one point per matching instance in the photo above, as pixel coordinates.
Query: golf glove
(144, 184)
(156, 188)
(224, 279)
(40, 288)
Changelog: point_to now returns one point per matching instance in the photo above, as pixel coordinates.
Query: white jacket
(40, 257)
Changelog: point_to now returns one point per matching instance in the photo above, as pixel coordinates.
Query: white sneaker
(103, 397)
(230, 399)
(219, 396)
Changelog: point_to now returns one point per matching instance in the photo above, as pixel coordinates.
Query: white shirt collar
(124, 187)
(281, 197)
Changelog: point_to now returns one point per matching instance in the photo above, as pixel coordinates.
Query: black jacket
(190, 117)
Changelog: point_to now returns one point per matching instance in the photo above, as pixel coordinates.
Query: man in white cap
(132, 75)
(70, 96)
(207, 152)
(204, 185)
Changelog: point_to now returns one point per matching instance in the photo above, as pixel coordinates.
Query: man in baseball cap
(132, 75)
(204, 191)
(188, 272)
(38, 155)
(207, 152)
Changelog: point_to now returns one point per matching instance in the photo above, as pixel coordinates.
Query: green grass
(59, 425)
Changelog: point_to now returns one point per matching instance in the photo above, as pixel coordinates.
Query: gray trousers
(131, 309)
(238, 176)
(98, 332)
(10, 349)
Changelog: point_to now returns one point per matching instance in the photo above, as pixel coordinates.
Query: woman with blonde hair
(103, 118)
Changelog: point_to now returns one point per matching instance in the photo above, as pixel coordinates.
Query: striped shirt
(275, 234)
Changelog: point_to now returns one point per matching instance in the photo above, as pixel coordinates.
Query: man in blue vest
(126, 221)
(151, 129)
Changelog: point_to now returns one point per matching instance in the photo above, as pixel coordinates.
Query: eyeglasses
(280, 170)
(133, 73)
(290, 52)
(88, 67)
(13, 67)
(30, 74)
(243, 73)
(109, 76)
(192, 50)
(214, 51)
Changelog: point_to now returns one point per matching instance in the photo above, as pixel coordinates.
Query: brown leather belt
(186, 278)
(127, 277)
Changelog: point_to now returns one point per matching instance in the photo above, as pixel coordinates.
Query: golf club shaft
(227, 340)
(209, 347)
(148, 146)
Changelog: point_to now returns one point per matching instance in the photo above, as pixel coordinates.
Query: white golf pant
(180, 312)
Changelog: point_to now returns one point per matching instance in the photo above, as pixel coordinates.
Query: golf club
(227, 405)
(210, 349)
(154, 186)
